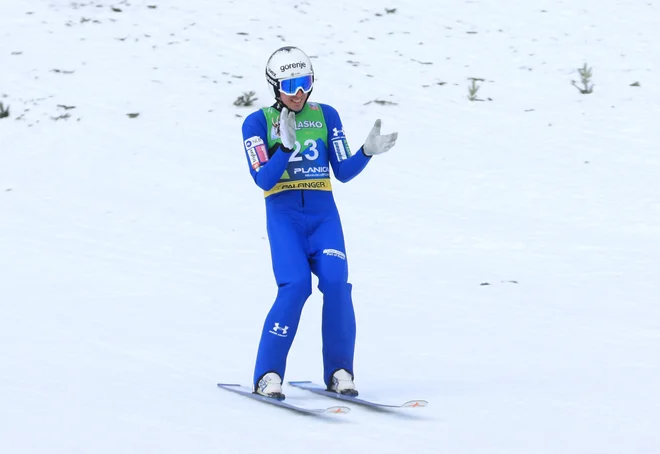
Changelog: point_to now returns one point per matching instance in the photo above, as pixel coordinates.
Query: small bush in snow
(473, 88)
(382, 102)
(585, 80)
(246, 99)
(4, 111)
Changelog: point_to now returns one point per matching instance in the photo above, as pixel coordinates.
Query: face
(294, 103)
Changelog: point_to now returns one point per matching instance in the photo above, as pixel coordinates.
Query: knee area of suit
(335, 287)
(300, 289)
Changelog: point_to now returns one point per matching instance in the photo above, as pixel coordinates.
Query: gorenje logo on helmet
(300, 65)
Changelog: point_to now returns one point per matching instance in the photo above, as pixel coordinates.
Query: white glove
(288, 128)
(377, 143)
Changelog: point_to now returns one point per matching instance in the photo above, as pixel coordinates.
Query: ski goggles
(291, 86)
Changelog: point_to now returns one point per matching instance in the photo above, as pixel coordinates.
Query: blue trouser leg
(293, 277)
(338, 326)
(338, 329)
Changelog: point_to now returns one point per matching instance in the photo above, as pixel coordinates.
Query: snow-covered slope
(504, 254)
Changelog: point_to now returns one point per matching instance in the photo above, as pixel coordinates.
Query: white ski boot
(342, 383)
(270, 385)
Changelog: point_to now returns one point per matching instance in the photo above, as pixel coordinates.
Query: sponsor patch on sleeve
(254, 158)
(253, 142)
(262, 153)
(256, 151)
(341, 149)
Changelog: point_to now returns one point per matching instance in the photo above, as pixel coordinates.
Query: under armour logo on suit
(282, 331)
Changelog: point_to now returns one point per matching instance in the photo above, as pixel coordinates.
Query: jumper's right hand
(288, 128)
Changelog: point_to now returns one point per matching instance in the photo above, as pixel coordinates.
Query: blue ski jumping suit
(304, 230)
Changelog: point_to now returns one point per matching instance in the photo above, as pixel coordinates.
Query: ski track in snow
(504, 254)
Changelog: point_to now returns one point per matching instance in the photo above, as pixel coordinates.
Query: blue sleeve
(344, 165)
(266, 166)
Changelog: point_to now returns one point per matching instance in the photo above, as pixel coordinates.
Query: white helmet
(285, 63)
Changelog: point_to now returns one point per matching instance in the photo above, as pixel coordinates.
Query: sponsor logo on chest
(309, 124)
(322, 170)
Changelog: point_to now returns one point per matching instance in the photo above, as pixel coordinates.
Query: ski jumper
(304, 231)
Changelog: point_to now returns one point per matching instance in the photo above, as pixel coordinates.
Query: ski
(317, 389)
(247, 392)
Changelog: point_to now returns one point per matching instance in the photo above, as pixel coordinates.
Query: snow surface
(135, 273)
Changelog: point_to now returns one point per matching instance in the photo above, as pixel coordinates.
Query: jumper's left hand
(377, 143)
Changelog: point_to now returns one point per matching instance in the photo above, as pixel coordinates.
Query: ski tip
(228, 385)
(415, 404)
(296, 383)
(338, 410)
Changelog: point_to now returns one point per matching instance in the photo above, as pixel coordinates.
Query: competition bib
(308, 166)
